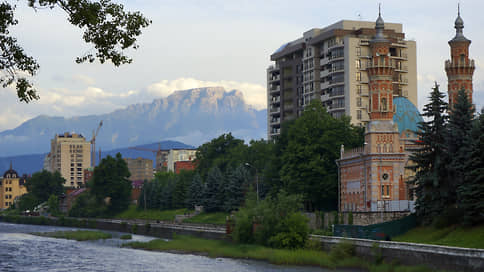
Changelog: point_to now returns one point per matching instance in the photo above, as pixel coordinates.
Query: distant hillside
(191, 116)
(28, 164)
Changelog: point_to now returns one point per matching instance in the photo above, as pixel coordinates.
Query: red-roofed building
(184, 165)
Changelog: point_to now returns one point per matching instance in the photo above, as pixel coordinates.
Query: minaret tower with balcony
(459, 68)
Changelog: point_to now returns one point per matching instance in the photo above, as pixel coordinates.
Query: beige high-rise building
(70, 154)
(330, 64)
(141, 169)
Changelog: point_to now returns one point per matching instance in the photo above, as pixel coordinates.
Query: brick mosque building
(374, 177)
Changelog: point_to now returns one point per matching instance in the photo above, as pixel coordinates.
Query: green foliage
(431, 182)
(311, 147)
(44, 184)
(194, 196)
(126, 237)
(213, 192)
(151, 214)
(221, 152)
(86, 205)
(343, 250)
(180, 190)
(471, 191)
(335, 217)
(78, 235)
(217, 218)
(235, 182)
(110, 184)
(274, 221)
(458, 236)
(53, 204)
(27, 202)
(350, 218)
(106, 26)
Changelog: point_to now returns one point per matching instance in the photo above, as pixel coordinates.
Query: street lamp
(256, 179)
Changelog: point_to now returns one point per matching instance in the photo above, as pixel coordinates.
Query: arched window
(384, 104)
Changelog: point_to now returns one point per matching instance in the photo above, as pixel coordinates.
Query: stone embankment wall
(324, 220)
(440, 257)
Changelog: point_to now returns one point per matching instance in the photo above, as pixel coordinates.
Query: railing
(459, 64)
(354, 152)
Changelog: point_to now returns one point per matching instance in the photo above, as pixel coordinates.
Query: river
(21, 251)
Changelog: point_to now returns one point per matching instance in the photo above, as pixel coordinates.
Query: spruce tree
(471, 192)
(234, 195)
(430, 181)
(195, 192)
(459, 142)
(213, 193)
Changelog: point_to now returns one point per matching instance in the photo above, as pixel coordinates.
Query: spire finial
(10, 165)
(458, 9)
(379, 9)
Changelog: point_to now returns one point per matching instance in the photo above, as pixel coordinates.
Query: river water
(21, 251)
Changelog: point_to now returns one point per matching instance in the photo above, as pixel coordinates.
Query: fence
(382, 231)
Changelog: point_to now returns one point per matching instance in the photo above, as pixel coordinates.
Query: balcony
(275, 109)
(274, 78)
(276, 89)
(460, 64)
(401, 68)
(380, 64)
(336, 45)
(275, 121)
(276, 99)
(402, 56)
(273, 67)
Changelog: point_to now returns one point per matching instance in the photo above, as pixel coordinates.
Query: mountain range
(190, 116)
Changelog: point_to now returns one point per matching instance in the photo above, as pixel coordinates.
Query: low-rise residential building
(12, 186)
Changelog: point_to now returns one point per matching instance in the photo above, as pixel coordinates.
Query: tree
(106, 26)
(180, 192)
(431, 183)
(195, 192)
(459, 142)
(110, 182)
(471, 191)
(308, 159)
(220, 152)
(234, 188)
(53, 203)
(44, 184)
(213, 192)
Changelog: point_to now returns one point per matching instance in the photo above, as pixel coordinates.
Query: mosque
(373, 178)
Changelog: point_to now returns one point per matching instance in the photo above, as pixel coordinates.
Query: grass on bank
(134, 213)
(78, 235)
(217, 218)
(312, 257)
(450, 236)
(126, 237)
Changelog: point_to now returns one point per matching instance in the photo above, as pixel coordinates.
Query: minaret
(459, 68)
(380, 71)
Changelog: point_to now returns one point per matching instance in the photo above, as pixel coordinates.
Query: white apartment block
(330, 64)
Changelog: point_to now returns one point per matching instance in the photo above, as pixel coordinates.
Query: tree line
(300, 161)
(449, 166)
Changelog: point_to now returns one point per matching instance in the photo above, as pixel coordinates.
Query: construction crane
(93, 144)
(160, 155)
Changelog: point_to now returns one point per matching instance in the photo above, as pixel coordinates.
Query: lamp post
(256, 180)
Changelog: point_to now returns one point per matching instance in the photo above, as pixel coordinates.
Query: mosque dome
(406, 115)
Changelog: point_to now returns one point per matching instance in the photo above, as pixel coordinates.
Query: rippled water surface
(20, 251)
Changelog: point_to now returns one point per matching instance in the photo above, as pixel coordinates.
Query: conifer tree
(195, 192)
(459, 142)
(213, 198)
(471, 192)
(430, 182)
(234, 194)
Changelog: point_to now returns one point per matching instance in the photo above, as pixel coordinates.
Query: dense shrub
(274, 221)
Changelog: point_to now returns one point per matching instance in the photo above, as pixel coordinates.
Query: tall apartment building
(70, 154)
(330, 64)
(140, 169)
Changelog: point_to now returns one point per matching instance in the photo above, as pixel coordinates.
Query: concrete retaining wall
(324, 220)
(440, 257)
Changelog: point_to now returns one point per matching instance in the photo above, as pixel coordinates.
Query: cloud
(254, 94)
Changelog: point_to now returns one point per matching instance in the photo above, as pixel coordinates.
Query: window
(358, 114)
(358, 102)
(462, 58)
(358, 76)
(358, 51)
(385, 191)
(384, 104)
(358, 64)
(358, 89)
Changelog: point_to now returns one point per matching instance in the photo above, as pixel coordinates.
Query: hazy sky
(216, 42)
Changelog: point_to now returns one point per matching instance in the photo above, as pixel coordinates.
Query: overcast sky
(216, 42)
